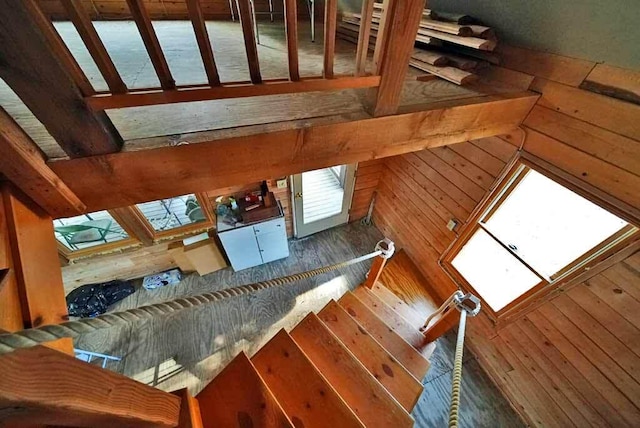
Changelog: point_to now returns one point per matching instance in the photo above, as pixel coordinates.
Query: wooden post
(35, 276)
(41, 386)
(446, 322)
(374, 272)
(387, 248)
(398, 37)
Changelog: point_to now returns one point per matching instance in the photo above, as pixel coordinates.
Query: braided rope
(34, 336)
(457, 373)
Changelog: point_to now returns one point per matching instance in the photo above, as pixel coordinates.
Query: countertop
(224, 227)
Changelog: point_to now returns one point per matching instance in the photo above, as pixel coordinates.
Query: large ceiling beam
(22, 162)
(36, 64)
(127, 178)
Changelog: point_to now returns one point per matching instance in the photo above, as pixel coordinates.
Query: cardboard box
(203, 256)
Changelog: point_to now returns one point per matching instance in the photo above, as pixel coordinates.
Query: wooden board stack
(450, 46)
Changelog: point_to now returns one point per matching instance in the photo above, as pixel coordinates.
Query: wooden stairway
(356, 363)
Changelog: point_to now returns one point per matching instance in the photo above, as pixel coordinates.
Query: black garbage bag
(93, 299)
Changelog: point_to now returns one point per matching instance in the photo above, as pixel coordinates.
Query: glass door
(322, 198)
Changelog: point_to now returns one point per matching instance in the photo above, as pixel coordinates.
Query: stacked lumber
(449, 46)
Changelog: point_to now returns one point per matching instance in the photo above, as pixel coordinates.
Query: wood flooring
(189, 348)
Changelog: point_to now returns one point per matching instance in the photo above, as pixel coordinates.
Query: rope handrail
(35, 336)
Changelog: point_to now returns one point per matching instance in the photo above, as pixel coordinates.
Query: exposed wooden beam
(330, 18)
(231, 90)
(246, 19)
(401, 26)
(22, 162)
(51, 90)
(151, 43)
(41, 387)
(291, 26)
(58, 46)
(82, 21)
(202, 37)
(225, 161)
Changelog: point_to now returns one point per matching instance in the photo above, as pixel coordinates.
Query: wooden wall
(165, 9)
(574, 360)
(367, 176)
(420, 192)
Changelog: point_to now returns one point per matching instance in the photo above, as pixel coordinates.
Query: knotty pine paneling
(418, 193)
(574, 360)
(367, 177)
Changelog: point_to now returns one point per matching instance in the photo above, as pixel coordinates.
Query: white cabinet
(256, 244)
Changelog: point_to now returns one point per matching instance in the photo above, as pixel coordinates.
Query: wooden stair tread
(386, 313)
(304, 394)
(390, 339)
(368, 399)
(425, 349)
(398, 305)
(403, 278)
(190, 416)
(238, 396)
(380, 363)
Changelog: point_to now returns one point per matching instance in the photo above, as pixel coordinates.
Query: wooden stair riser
(238, 396)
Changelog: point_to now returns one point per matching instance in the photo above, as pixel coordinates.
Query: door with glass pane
(322, 198)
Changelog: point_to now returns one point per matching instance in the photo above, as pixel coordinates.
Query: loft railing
(119, 95)
(40, 69)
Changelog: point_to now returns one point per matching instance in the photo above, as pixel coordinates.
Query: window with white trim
(532, 233)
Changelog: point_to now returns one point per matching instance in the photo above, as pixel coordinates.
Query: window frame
(180, 231)
(571, 274)
(140, 231)
(130, 241)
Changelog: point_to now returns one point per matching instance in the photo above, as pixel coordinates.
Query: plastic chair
(84, 233)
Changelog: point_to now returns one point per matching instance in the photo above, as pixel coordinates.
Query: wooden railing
(119, 95)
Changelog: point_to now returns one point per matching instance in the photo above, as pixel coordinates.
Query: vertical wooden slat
(37, 66)
(151, 43)
(402, 21)
(246, 19)
(291, 25)
(330, 18)
(382, 36)
(363, 37)
(82, 21)
(202, 37)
